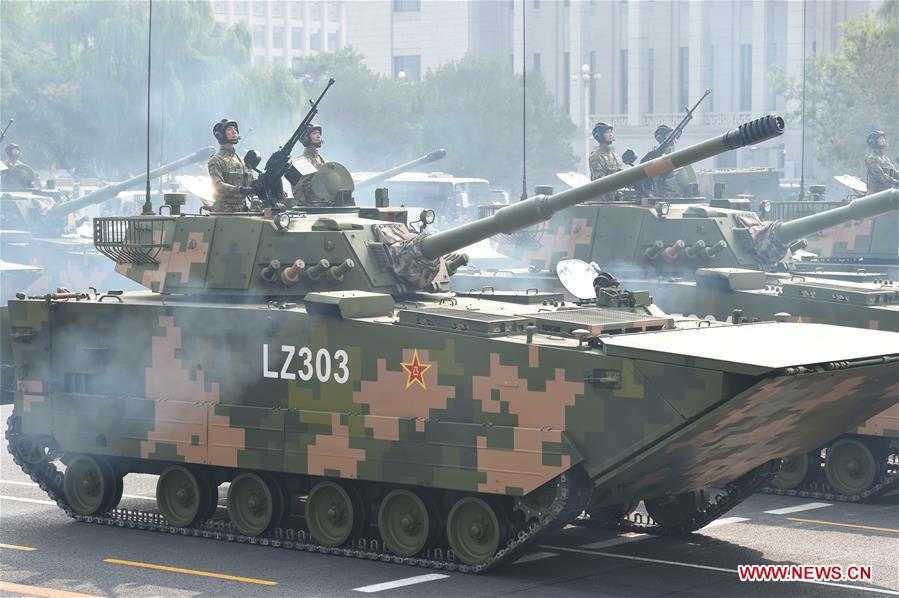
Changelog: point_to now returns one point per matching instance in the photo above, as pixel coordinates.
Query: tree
(852, 91)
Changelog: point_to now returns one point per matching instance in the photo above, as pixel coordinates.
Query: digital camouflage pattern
(228, 173)
(300, 195)
(881, 172)
(603, 162)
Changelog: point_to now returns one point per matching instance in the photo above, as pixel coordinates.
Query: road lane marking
(723, 521)
(16, 547)
(399, 583)
(32, 500)
(262, 582)
(838, 524)
(623, 539)
(804, 507)
(628, 557)
(535, 556)
(140, 496)
(17, 588)
(18, 483)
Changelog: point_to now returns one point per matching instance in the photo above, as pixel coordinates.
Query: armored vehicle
(39, 229)
(315, 360)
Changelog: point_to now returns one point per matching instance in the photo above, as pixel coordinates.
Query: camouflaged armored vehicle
(316, 361)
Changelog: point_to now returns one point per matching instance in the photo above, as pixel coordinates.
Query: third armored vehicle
(316, 359)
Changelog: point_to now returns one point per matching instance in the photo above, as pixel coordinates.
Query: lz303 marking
(321, 364)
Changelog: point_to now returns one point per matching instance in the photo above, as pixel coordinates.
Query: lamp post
(586, 76)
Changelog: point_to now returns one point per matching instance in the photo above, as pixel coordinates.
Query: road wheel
(252, 504)
(675, 511)
(181, 496)
(404, 522)
(850, 467)
(792, 473)
(89, 486)
(334, 513)
(33, 450)
(473, 530)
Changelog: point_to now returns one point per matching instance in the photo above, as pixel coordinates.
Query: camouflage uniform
(317, 160)
(18, 175)
(603, 162)
(881, 172)
(228, 174)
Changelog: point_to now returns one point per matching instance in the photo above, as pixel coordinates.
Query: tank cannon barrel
(858, 209)
(383, 176)
(541, 207)
(110, 191)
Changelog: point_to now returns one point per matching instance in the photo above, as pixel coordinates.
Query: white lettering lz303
(321, 365)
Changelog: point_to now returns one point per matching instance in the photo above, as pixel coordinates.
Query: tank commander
(308, 163)
(881, 172)
(604, 161)
(663, 183)
(231, 179)
(17, 174)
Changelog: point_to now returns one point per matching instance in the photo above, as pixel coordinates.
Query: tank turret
(229, 255)
(377, 179)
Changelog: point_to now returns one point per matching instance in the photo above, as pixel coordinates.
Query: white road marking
(622, 539)
(724, 521)
(536, 556)
(628, 557)
(19, 483)
(140, 496)
(804, 507)
(31, 500)
(399, 583)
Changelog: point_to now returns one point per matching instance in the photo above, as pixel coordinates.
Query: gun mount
(226, 255)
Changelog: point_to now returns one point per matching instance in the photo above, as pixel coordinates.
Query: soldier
(604, 161)
(308, 164)
(231, 179)
(881, 172)
(17, 174)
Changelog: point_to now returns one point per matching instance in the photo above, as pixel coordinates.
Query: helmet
(662, 132)
(599, 129)
(305, 137)
(219, 129)
(11, 147)
(873, 136)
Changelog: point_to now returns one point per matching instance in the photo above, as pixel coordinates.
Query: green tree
(852, 91)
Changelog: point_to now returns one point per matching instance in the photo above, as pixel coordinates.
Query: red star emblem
(416, 370)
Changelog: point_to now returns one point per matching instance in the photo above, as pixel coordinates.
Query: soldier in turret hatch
(881, 172)
(231, 179)
(604, 161)
(308, 164)
(18, 175)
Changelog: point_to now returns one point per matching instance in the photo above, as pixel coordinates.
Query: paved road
(42, 548)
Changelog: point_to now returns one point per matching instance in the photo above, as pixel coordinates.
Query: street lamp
(586, 76)
(401, 76)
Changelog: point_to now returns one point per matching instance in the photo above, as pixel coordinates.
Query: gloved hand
(246, 190)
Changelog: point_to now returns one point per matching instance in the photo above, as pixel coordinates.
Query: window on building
(711, 84)
(258, 9)
(406, 5)
(315, 11)
(333, 11)
(296, 38)
(220, 8)
(333, 41)
(278, 9)
(240, 8)
(277, 37)
(315, 39)
(411, 65)
(622, 96)
(683, 96)
(259, 36)
(745, 77)
(566, 82)
(593, 66)
(537, 62)
(296, 9)
(650, 84)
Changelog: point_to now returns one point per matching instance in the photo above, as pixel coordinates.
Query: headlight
(662, 208)
(282, 221)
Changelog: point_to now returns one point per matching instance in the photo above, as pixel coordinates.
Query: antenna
(524, 105)
(802, 142)
(148, 205)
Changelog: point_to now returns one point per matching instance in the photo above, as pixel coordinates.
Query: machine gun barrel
(383, 176)
(858, 209)
(110, 191)
(541, 207)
